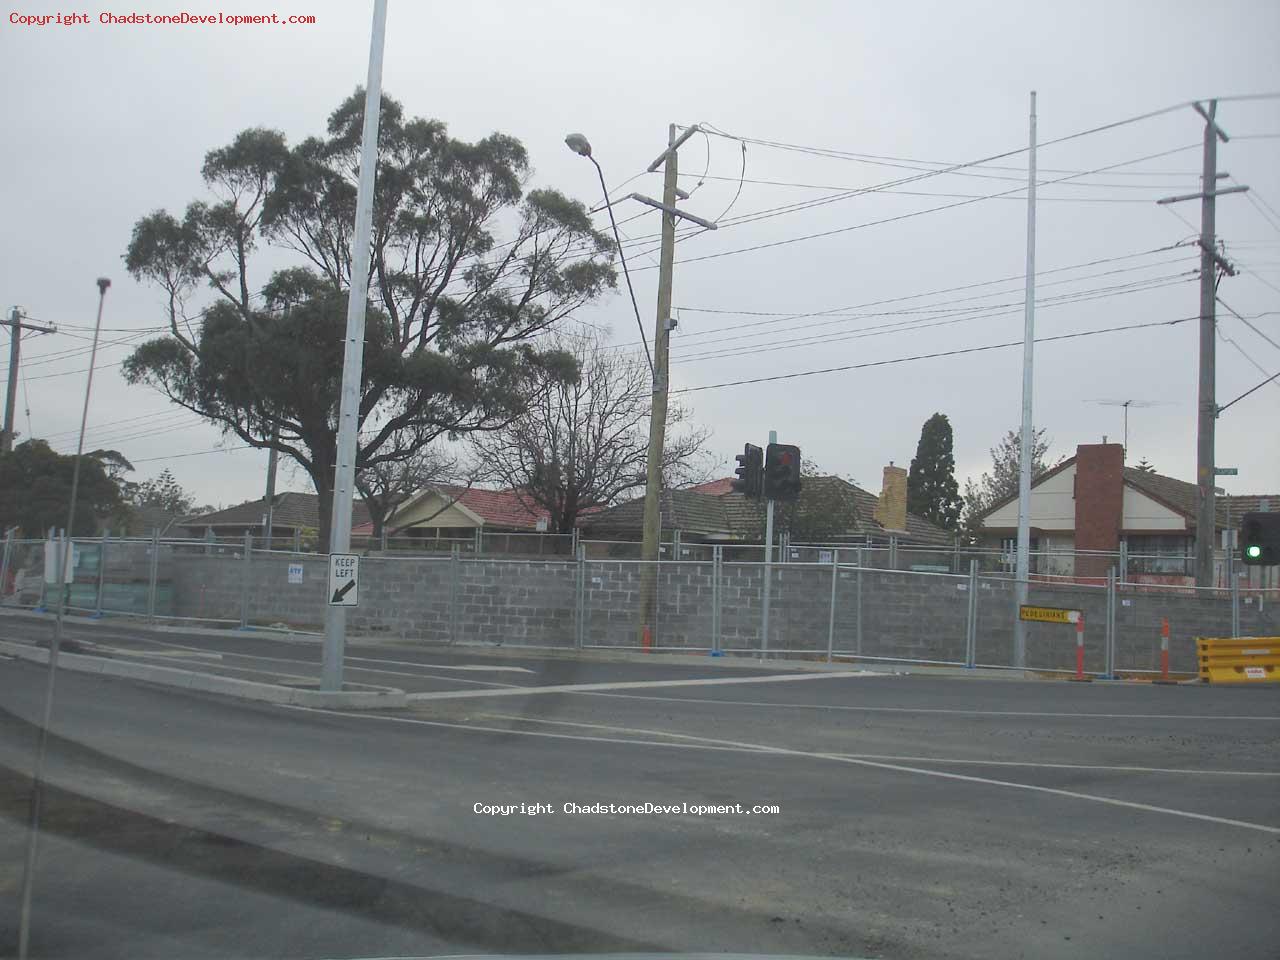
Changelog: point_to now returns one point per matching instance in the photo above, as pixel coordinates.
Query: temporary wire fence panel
(868, 611)
(511, 601)
(23, 582)
(610, 607)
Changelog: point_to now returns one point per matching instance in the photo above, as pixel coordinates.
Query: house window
(1009, 555)
(1168, 556)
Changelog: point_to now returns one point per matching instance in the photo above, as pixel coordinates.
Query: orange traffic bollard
(646, 640)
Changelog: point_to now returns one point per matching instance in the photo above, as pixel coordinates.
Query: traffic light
(750, 468)
(782, 472)
(1260, 539)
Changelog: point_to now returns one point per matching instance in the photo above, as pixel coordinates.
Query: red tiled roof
(714, 487)
(497, 508)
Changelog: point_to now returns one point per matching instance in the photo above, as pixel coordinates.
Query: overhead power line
(1248, 356)
(197, 453)
(1248, 324)
(791, 315)
(904, 216)
(107, 424)
(932, 356)
(909, 326)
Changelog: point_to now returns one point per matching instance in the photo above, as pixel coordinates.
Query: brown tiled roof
(291, 510)
(143, 521)
(698, 512)
(918, 529)
(1177, 495)
(686, 510)
(1238, 506)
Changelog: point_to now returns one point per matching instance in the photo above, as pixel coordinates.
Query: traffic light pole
(768, 567)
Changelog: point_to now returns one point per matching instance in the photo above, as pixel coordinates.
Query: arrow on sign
(343, 591)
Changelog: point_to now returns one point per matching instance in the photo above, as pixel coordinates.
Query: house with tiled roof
(290, 513)
(1088, 508)
(148, 520)
(448, 511)
(712, 513)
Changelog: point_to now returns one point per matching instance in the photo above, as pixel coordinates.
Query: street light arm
(623, 257)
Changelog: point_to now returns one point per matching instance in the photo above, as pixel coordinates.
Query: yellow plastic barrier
(1239, 659)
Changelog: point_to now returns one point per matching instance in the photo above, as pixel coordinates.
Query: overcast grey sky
(106, 123)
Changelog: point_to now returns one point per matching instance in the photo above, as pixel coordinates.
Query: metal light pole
(581, 146)
(28, 875)
(335, 623)
(1023, 570)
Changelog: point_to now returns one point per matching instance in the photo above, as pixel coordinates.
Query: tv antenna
(1126, 404)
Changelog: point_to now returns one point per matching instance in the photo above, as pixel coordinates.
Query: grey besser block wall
(903, 615)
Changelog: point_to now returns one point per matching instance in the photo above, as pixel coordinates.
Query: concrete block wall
(1190, 616)
(1050, 646)
(902, 615)
(518, 602)
(918, 617)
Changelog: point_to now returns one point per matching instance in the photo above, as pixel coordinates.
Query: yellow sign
(1048, 614)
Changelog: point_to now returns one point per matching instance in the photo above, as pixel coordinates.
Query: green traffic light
(1253, 551)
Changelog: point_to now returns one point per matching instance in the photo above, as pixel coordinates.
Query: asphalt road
(918, 816)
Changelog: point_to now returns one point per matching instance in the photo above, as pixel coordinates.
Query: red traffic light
(782, 472)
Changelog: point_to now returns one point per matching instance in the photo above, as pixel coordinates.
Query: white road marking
(1118, 768)
(634, 685)
(181, 654)
(738, 747)
(944, 710)
(444, 666)
(394, 673)
(404, 663)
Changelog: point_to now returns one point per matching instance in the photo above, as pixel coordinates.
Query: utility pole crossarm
(20, 321)
(674, 145)
(1202, 194)
(1208, 119)
(672, 210)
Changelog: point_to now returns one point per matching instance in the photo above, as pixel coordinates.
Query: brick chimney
(1099, 494)
(891, 509)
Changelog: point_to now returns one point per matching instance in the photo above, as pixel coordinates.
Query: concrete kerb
(596, 654)
(370, 698)
(533, 651)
